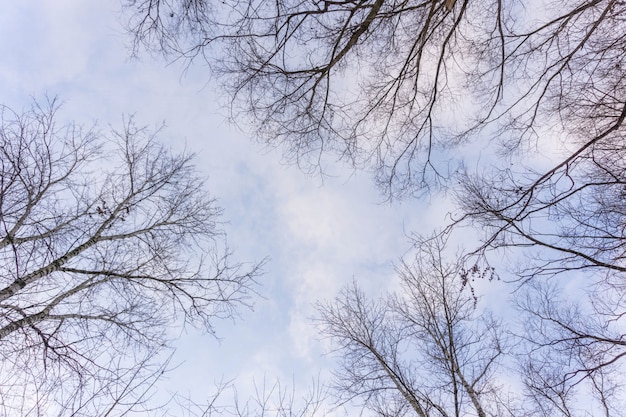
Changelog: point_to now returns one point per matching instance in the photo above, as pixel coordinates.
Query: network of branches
(407, 88)
(104, 237)
(411, 89)
(107, 240)
(396, 82)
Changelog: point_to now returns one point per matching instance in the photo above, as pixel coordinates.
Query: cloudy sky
(317, 235)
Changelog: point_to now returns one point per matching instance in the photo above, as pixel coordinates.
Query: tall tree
(106, 241)
(426, 351)
(433, 349)
(402, 87)
(397, 83)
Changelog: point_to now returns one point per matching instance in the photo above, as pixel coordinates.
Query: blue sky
(317, 235)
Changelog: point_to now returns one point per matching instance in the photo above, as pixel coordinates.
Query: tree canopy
(107, 241)
(397, 84)
(516, 109)
(410, 90)
(406, 88)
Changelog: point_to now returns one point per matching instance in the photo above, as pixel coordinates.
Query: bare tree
(571, 351)
(401, 83)
(397, 83)
(566, 221)
(571, 218)
(427, 351)
(106, 242)
(401, 86)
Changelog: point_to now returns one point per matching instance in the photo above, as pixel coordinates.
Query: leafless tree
(568, 221)
(401, 83)
(427, 351)
(571, 351)
(396, 84)
(402, 87)
(571, 218)
(107, 240)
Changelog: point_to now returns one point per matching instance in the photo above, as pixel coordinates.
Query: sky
(317, 235)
